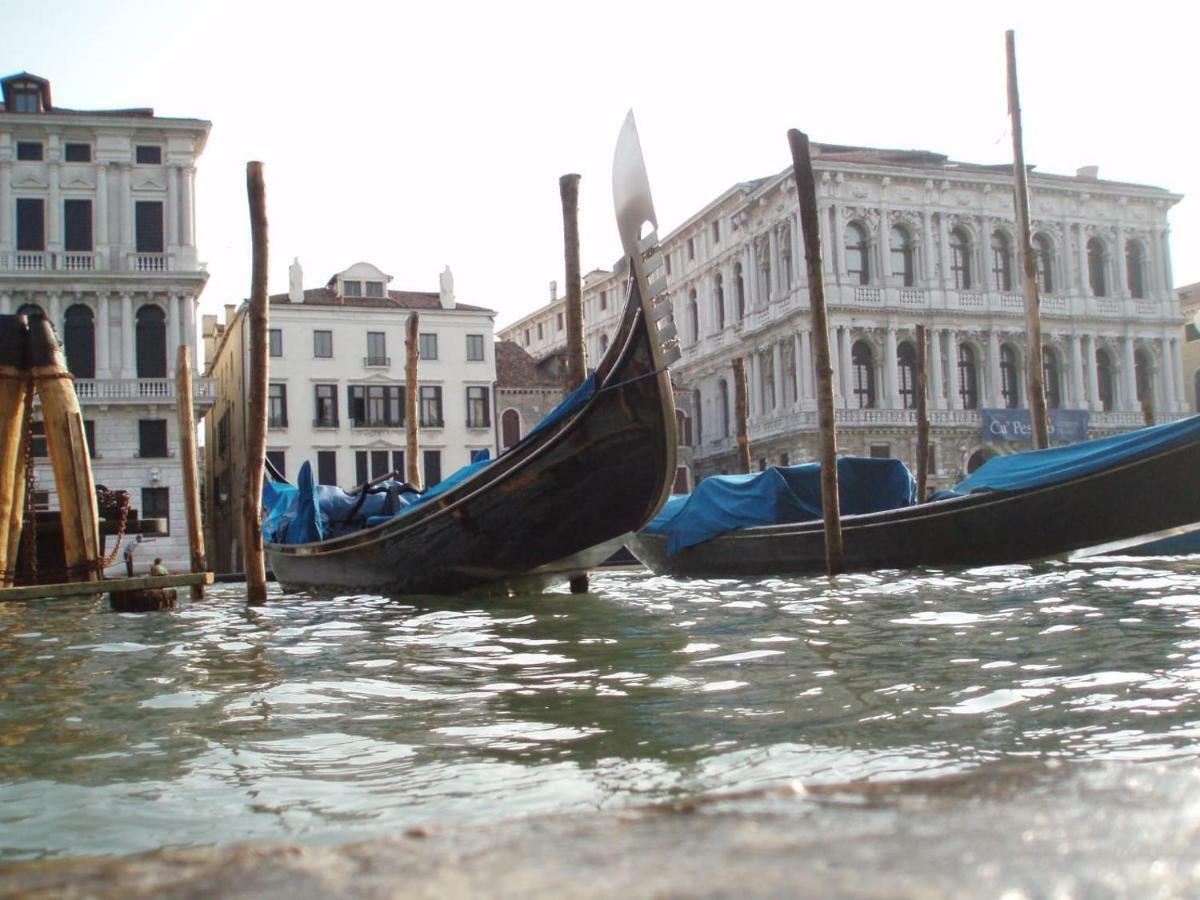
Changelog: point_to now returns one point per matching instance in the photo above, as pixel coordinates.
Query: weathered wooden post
(568, 188)
(1033, 318)
(741, 415)
(256, 412)
(14, 431)
(412, 421)
(806, 188)
(67, 443)
(922, 413)
(187, 462)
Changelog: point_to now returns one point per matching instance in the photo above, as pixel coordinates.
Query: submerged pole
(187, 462)
(412, 353)
(806, 188)
(1033, 319)
(256, 408)
(568, 188)
(922, 413)
(14, 430)
(66, 442)
(740, 415)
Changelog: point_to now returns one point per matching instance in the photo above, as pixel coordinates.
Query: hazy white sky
(419, 135)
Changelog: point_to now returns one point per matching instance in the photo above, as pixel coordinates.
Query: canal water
(329, 721)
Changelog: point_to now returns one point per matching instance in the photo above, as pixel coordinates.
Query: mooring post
(806, 188)
(741, 415)
(66, 442)
(922, 414)
(14, 431)
(568, 189)
(187, 462)
(256, 407)
(412, 419)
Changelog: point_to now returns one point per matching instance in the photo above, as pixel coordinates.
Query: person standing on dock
(130, 546)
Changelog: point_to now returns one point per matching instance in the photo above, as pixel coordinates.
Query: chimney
(295, 281)
(553, 291)
(229, 310)
(1089, 172)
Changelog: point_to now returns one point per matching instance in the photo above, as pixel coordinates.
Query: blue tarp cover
(779, 495)
(1034, 468)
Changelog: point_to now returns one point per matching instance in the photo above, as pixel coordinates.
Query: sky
(420, 135)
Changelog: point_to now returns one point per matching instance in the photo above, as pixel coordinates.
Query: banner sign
(1066, 425)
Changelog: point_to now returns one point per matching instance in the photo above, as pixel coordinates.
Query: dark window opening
(478, 410)
(361, 473)
(156, 504)
(863, 363)
(1010, 377)
(152, 438)
(858, 266)
(274, 342)
(277, 458)
(376, 405)
(474, 347)
(77, 152)
(968, 377)
(327, 467)
(151, 342)
(428, 346)
(31, 224)
(431, 407)
(30, 151)
(77, 226)
(148, 155)
(325, 403)
(906, 363)
(881, 451)
(79, 341)
(277, 406)
(379, 463)
(510, 428)
(148, 215)
(960, 259)
(432, 460)
(323, 344)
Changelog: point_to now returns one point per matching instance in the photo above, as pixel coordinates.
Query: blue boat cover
(779, 495)
(1034, 468)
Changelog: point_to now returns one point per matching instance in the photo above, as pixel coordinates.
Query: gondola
(562, 499)
(1152, 485)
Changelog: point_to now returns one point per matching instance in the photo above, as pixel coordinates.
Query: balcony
(148, 262)
(141, 390)
(377, 362)
(325, 423)
(84, 261)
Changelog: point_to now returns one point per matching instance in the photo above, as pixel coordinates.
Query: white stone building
(910, 237)
(1189, 303)
(97, 232)
(336, 394)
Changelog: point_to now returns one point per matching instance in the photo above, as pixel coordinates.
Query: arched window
(1143, 370)
(510, 428)
(603, 344)
(1010, 377)
(31, 311)
(79, 341)
(960, 259)
(683, 428)
(698, 407)
(1043, 254)
(739, 290)
(1051, 378)
(1001, 261)
(723, 406)
(978, 458)
(968, 377)
(694, 316)
(863, 362)
(1135, 269)
(767, 367)
(151, 342)
(906, 362)
(858, 266)
(785, 259)
(790, 384)
(720, 301)
(1105, 380)
(1096, 261)
(902, 256)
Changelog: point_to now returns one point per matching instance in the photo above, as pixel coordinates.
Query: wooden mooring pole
(256, 412)
(806, 188)
(412, 421)
(922, 413)
(741, 415)
(14, 431)
(187, 463)
(576, 368)
(1033, 318)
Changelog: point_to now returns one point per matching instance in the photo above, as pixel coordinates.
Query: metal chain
(121, 497)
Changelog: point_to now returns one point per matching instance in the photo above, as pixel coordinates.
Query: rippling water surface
(330, 721)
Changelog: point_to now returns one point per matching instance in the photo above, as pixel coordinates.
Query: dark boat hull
(1135, 498)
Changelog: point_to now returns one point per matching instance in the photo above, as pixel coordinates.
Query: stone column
(845, 360)
(173, 340)
(54, 228)
(128, 360)
(954, 398)
(839, 239)
(102, 356)
(125, 210)
(1168, 288)
(1121, 288)
(944, 243)
(1085, 289)
(891, 370)
(993, 368)
(798, 362)
(1179, 400)
(102, 207)
(1078, 396)
(937, 398)
(7, 210)
(1093, 386)
(754, 388)
(777, 374)
(927, 250)
(885, 244)
(774, 281)
(187, 213)
(1129, 381)
(56, 313)
(172, 210)
(827, 249)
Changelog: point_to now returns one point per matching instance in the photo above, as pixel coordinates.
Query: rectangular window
(156, 504)
(716, 231)
(325, 406)
(881, 451)
(327, 467)
(691, 245)
(31, 224)
(275, 342)
(474, 348)
(77, 226)
(148, 215)
(374, 288)
(526, 337)
(27, 101)
(223, 434)
(37, 432)
(428, 346)
(361, 474)
(89, 434)
(540, 332)
(431, 407)
(29, 150)
(277, 406)
(433, 467)
(148, 155)
(477, 408)
(277, 459)
(152, 438)
(77, 152)
(352, 288)
(376, 405)
(379, 463)
(323, 344)
(398, 462)
(558, 322)
(604, 299)
(376, 349)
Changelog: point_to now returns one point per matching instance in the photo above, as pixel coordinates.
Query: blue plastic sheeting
(780, 495)
(1021, 471)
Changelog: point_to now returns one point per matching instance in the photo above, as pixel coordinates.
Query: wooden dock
(106, 586)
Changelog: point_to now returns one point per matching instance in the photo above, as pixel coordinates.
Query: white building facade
(97, 233)
(337, 388)
(908, 238)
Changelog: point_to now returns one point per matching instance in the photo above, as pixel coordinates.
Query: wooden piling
(922, 413)
(187, 462)
(576, 369)
(1033, 321)
(806, 188)
(256, 412)
(67, 445)
(741, 415)
(412, 419)
(14, 431)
